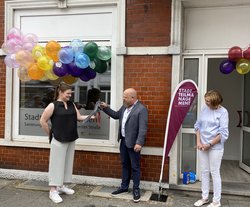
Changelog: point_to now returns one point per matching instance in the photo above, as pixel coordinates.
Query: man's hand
(137, 148)
(103, 105)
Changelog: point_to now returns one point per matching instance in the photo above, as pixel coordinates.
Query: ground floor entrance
(207, 36)
(235, 167)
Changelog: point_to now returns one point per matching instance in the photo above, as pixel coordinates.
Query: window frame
(12, 82)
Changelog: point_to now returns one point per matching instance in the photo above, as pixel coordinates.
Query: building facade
(154, 45)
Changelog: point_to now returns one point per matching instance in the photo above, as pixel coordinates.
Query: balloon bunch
(237, 59)
(52, 61)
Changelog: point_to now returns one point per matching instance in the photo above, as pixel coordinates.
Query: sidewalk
(21, 193)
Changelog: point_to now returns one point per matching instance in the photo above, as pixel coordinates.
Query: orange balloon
(69, 79)
(52, 48)
(34, 72)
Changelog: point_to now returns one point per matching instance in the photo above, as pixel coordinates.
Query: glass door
(188, 156)
(245, 135)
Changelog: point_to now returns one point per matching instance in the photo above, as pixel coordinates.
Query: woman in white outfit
(211, 132)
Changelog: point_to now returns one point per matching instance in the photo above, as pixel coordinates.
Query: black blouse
(64, 122)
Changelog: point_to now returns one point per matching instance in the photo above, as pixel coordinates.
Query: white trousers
(61, 162)
(210, 162)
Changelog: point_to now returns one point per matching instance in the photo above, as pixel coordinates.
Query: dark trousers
(130, 161)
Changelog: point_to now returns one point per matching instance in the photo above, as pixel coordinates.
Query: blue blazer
(136, 125)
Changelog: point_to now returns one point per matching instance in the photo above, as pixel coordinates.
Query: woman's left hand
(205, 147)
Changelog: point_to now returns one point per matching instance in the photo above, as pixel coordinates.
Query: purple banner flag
(181, 101)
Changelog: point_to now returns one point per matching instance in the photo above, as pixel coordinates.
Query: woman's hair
(215, 98)
(61, 87)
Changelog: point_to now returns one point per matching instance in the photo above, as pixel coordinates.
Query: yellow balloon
(45, 63)
(51, 75)
(34, 72)
(243, 66)
(44, 78)
(69, 79)
(38, 51)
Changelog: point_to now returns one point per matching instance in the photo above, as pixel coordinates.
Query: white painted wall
(216, 27)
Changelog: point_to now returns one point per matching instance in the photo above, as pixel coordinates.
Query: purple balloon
(88, 74)
(85, 78)
(60, 69)
(227, 66)
(74, 70)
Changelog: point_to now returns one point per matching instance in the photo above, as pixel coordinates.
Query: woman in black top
(63, 115)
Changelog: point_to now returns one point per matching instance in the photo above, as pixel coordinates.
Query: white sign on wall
(30, 125)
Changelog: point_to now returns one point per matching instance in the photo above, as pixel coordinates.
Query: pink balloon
(24, 58)
(29, 45)
(14, 45)
(30, 38)
(4, 48)
(10, 61)
(14, 33)
(13, 36)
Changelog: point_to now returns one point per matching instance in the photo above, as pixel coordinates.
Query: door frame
(246, 129)
(202, 87)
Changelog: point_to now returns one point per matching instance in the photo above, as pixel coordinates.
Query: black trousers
(130, 161)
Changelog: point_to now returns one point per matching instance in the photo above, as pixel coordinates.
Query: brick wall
(151, 77)
(85, 163)
(148, 24)
(2, 73)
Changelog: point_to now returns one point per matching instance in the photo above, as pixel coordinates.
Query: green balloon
(103, 53)
(91, 49)
(100, 66)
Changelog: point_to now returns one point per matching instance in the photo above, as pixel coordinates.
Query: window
(98, 24)
(36, 95)
(191, 67)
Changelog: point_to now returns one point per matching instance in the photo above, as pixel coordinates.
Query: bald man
(133, 124)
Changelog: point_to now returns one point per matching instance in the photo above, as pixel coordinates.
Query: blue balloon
(66, 55)
(77, 46)
(82, 60)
